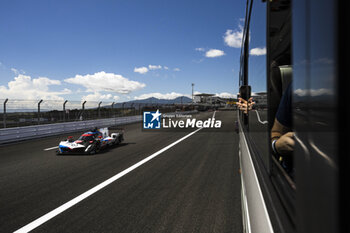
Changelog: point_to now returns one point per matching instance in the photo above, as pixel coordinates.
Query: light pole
(192, 91)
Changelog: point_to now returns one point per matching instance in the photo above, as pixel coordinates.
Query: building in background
(260, 99)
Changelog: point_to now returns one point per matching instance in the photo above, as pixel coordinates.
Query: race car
(90, 142)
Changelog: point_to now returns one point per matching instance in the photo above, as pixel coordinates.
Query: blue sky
(102, 49)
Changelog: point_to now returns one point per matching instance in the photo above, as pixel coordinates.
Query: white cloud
(313, 92)
(234, 38)
(158, 95)
(141, 70)
(166, 68)
(198, 61)
(222, 94)
(97, 96)
(301, 92)
(154, 67)
(214, 53)
(24, 87)
(324, 61)
(258, 51)
(226, 95)
(177, 69)
(15, 71)
(109, 82)
(200, 49)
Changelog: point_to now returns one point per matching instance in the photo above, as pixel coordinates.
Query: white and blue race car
(90, 142)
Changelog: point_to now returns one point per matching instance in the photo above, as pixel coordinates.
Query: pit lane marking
(34, 224)
(51, 148)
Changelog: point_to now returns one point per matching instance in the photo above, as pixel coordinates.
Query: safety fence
(18, 113)
(14, 134)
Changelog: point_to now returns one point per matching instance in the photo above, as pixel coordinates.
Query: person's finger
(289, 148)
(292, 143)
(289, 142)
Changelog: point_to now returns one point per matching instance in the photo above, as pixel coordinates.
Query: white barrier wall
(38, 131)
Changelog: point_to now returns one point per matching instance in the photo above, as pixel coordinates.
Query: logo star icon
(156, 115)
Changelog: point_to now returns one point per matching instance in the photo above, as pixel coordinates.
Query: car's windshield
(86, 138)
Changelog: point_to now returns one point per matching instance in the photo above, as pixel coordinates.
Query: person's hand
(245, 105)
(285, 144)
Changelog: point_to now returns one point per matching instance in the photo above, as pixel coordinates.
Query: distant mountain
(178, 100)
(153, 101)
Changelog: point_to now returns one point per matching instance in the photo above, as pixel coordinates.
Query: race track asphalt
(193, 186)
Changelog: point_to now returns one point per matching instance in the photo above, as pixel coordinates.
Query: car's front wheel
(95, 148)
(58, 152)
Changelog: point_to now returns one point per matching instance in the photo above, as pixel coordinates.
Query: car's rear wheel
(117, 141)
(120, 139)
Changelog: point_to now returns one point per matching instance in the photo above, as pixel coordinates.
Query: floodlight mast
(192, 91)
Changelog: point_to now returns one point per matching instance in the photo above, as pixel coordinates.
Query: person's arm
(282, 139)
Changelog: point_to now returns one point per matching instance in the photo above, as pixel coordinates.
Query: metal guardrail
(38, 131)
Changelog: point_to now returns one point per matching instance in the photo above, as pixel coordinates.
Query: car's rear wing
(105, 131)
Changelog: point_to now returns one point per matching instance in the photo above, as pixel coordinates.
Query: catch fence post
(4, 114)
(113, 112)
(99, 110)
(64, 111)
(83, 108)
(39, 111)
(132, 106)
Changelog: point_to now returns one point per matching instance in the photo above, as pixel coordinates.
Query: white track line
(88, 193)
(258, 115)
(51, 148)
